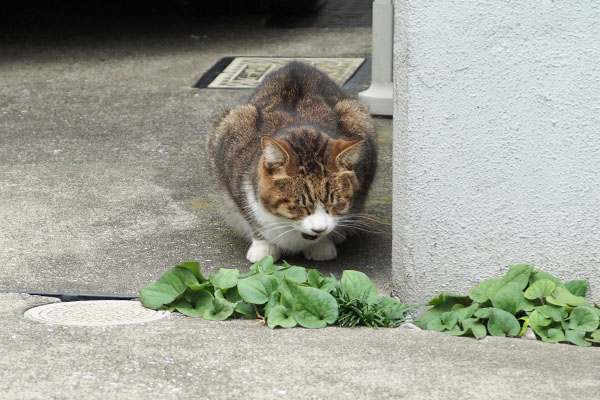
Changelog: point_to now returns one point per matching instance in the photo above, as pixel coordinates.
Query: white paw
(261, 248)
(321, 251)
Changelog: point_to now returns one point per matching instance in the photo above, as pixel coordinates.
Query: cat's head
(309, 179)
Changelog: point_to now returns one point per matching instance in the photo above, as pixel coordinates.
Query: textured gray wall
(496, 142)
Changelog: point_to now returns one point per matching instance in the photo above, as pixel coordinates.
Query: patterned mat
(248, 72)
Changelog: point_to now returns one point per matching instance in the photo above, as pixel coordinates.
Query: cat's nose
(317, 231)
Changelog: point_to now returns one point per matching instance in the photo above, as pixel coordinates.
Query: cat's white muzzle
(316, 225)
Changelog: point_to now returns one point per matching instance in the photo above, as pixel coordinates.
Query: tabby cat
(294, 163)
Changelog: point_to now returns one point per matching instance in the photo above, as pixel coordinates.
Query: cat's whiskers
(361, 227)
(368, 217)
(280, 235)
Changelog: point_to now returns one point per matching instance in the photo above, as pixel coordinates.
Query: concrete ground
(104, 186)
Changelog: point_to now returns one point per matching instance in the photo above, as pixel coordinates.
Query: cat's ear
(346, 153)
(275, 152)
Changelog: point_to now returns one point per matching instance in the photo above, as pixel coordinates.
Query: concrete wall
(496, 142)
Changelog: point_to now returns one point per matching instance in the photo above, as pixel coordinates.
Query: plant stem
(542, 300)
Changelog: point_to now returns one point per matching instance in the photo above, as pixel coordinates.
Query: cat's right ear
(275, 152)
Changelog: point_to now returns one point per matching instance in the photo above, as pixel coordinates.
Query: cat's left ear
(346, 153)
(275, 152)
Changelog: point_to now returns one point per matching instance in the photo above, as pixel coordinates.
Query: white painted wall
(496, 142)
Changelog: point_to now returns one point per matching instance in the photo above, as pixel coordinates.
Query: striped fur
(293, 161)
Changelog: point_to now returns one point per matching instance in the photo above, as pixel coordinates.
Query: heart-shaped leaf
(225, 279)
(562, 297)
(508, 298)
(167, 288)
(518, 274)
(536, 318)
(475, 327)
(281, 316)
(157, 294)
(359, 286)
(484, 290)
(540, 288)
(584, 319)
(296, 274)
(576, 337)
(537, 275)
(257, 288)
(502, 323)
(578, 288)
(554, 313)
(194, 268)
(550, 335)
(314, 308)
(594, 337)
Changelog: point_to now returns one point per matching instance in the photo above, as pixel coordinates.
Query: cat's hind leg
(261, 248)
(323, 250)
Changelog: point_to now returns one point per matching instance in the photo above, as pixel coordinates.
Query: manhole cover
(94, 313)
(248, 72)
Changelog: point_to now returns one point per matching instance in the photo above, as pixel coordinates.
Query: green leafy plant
(507, 306)
(278, 295)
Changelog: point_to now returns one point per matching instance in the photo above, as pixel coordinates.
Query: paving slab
(103, 179)
(182, 357)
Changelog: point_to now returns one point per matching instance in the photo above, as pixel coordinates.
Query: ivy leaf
(246, 309)
(502, 323)
(265, 264)
(221, 309)
(281, 316)
(447, 300)
(563, 297)
(584, 319)
(435, 325)
(257, 288)
(273, 301)
(550, 335)
(296, 274)
(167, 288)
(449, 320)
(518, 274)
(233, 295)
(359, 286)
(194, 268)
(484, 290)
(483, 313)
(576, 337)
(508, 298)
(225, 279)
(537, 275)
(540, 288)
(555, 313)
(475, 327)
(314, 308)
(442, 303)
(578, 288)
(536, 318)
(157, 294)
(594, 337)
(314, 278)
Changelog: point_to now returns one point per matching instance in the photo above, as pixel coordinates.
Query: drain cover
(248, 72)
(94, 313)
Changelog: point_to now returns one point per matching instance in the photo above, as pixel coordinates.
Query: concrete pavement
(186, 358)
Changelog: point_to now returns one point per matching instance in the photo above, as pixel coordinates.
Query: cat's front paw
(321, 251)
(261, 248)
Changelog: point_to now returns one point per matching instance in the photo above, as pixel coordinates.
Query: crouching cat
(295, 163)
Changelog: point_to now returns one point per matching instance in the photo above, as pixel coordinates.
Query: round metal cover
(94, 313)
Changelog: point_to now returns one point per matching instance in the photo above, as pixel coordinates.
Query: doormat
(248, 72)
